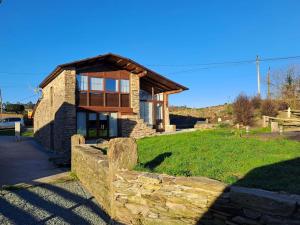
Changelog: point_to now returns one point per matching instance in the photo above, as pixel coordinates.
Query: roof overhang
(147, 75)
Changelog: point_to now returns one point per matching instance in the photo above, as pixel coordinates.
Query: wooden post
(265, 122)
(289, 112)
(18, 131)
(269, 84)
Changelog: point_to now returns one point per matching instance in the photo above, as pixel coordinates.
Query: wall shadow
(52, 202)
(157, 160)
(56, 135)
(282, 177)
(183, 122)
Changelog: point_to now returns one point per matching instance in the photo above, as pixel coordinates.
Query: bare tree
(286, 86)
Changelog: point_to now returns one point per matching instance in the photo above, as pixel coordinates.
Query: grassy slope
(222, 155)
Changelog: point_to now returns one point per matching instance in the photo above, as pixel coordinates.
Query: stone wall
(135, 93)
(135, 127)
(60, 116)
(132, 197)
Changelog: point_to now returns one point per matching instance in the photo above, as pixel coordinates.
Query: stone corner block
(122, 153)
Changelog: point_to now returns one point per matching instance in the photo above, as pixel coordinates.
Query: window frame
(78, 84)
(90, 84)
(117, 85)
(89, 91)
(121, 86)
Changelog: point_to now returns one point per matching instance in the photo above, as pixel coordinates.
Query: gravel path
(61, 203)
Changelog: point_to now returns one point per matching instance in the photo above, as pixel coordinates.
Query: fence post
(18, 131)
(274, 127)
(265, 121)
(121, 155)
(289, 112)
(76, 139)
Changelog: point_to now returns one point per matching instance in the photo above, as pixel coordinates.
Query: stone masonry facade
(55, 115)
(133, 197)
(135, 93)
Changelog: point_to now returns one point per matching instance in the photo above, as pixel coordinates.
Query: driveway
(51, 204)
(23, 162)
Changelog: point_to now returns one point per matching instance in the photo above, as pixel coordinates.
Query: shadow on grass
(282, 177)
(157, 161)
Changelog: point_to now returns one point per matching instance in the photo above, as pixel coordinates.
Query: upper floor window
(96, 84)
(159, 97)
(82, 82)
(112, 85)
(124, 86)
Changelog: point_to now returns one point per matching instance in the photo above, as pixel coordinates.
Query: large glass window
(111, 85)
(113, 125)
(96, 84)
(81, 123)
(82, 82)
(124, 86)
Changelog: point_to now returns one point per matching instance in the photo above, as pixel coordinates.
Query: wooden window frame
(104, 91)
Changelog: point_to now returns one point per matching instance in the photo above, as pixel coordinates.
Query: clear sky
(36, 35)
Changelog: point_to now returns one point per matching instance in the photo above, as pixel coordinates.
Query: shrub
(256, 101)
(268, 108)
(229, 109)
(282, 105)
(17, 108)
(243, 110)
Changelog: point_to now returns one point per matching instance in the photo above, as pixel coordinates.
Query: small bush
(256, 102)
(282, 105)
(229, 109)
(268, 108)
(243, 110)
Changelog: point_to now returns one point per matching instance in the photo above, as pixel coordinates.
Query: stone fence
(132, 197)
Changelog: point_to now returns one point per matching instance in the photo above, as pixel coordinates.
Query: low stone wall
(132, 126)
(133, 197)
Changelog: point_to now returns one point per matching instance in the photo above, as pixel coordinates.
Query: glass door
(92, 125)
(103, 125)
(98, 125)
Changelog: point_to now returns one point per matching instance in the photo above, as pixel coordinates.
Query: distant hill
(185, 117)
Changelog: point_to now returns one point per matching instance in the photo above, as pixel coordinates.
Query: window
(81, 123)
(82, 83)
(96, 84)
(125, 86)
(111, 85)
(159, 97)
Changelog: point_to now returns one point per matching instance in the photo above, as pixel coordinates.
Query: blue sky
(37, 35)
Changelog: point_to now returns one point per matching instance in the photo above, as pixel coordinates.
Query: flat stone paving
(60, 203)
(22, 162)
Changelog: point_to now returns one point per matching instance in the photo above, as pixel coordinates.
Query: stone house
(102, 97)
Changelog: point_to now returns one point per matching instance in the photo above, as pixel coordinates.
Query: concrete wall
(145, 198)
(61, 114)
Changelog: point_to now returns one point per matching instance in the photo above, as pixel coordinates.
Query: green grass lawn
(223, 155)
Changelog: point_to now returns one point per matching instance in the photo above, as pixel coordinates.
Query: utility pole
(258, 75)
(269, 84)
(1, 105)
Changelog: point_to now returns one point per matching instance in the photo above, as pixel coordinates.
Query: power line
(225, 62)
(206, 65)
(233, 63)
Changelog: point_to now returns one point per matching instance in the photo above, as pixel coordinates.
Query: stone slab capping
(133, 197)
